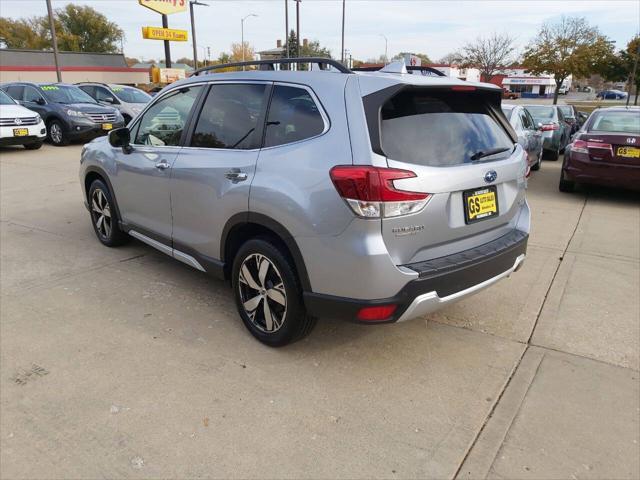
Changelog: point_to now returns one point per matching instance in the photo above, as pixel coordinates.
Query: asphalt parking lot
(123, 363)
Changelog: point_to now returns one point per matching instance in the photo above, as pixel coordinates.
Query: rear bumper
(440, 281)
(602, 173)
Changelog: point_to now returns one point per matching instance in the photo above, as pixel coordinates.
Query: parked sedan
(556, 132)
(606, 151)
(20, 126)
(573, 117)
(529, 135)
(68, 112)
(612, 95)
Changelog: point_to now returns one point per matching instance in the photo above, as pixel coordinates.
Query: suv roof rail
(428, 71)
(270, 64)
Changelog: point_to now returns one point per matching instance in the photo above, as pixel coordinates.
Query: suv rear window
(440, 129)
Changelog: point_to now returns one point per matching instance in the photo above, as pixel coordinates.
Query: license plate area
(20, 132)
(107, 126)
(480, 204)
(628, 152)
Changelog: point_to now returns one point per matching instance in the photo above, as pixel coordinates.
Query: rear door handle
(235, 175)
(162, 165)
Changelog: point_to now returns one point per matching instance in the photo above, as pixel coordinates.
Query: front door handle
(235, 175)
(162, 165)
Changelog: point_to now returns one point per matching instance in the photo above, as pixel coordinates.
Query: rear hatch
(463, 152)
(614, 137)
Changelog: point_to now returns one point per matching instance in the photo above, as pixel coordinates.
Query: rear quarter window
(440, 129)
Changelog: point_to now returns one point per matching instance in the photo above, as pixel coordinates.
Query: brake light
(550, 126)
(463, 88)
(370, 192)
(604, 146)
(579, 146)
(377, 313)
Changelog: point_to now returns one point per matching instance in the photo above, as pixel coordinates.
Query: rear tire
(553, 154)
(33, 146)
(104, 216)
(268, 294)
(566, 186)
(538, 164)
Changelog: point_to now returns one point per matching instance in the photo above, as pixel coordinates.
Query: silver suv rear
(375, 196)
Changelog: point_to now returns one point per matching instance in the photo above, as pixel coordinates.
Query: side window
(229, 117)
(15, 91)
(89, 90)
(31, 95)
(293, 116)
(163, 123)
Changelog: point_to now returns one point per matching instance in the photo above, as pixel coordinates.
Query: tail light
(579, 146)
(550, 126)
(377, 313)
(370, 192)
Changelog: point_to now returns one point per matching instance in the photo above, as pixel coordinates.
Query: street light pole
(386, 48)
(54, 39)
(342, 49)
(193, 31)
(167, 47)
(242, 33)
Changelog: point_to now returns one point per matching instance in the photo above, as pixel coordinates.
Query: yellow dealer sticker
(158, 33)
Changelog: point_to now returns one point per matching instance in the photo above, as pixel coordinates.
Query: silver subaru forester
(318, 191)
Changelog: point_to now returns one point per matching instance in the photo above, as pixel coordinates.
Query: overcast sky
(432, 27)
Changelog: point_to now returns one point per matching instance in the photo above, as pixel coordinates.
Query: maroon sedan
(606, 151)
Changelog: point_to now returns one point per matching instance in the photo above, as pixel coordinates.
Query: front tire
(104, 216)
(56, 133)
(268, 294)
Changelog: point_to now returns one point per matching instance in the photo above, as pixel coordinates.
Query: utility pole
(632, 79)
(54, 39)
(386, 48)
(167, 48)
(286, 28)
(298, 28)
(193, 31)
(342, 49)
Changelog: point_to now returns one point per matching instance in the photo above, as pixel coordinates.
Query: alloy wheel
(101, 213)
(56, 133)
(262, 293)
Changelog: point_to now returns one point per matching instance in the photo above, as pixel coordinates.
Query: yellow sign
(165, 7)
(158, 33)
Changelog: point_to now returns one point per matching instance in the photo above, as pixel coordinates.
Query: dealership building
(39, 66)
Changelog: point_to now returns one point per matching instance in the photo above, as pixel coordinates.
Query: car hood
(88, 107)
(16, 111)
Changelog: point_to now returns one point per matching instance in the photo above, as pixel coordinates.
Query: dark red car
(605, 151)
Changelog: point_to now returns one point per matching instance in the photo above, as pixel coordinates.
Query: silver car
(374, 197)
(556, 132)
(529, 134)
(129, 100)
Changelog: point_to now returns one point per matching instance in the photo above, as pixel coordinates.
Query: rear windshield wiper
(487, 153)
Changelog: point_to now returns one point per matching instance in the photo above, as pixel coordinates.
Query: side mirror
(540, 126)
(110, 100)
(121, 138)
(40, 101)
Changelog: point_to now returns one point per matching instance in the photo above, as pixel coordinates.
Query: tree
(489, 54)
(451, 58)
(424, 58)
(311, 49)
(131, 61)
(619, 67)
(78, 28)
(237, 49)
(569, 47)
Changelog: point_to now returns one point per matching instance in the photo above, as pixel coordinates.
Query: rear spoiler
(374, 101)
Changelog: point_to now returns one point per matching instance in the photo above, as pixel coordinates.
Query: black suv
(68, 112)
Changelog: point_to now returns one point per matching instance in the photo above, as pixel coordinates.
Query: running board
(172, 252)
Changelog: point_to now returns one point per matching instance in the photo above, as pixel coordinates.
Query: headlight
(38, 118)
(75, 113)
